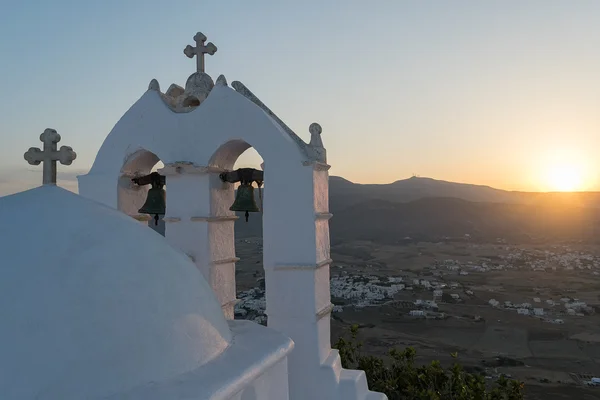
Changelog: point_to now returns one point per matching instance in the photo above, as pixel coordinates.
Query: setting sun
(565, 178)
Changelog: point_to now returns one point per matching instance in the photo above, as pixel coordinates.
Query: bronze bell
(244, 200)
(156, 203)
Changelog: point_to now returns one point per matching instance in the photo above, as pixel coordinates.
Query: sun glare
(565, 178)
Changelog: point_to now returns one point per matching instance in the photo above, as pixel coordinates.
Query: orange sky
(505, 94)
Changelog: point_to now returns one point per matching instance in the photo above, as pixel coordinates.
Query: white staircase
(346, 384)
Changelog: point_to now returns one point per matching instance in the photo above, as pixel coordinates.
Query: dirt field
(552, 353)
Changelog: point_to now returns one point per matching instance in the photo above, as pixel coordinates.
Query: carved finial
(200, 50)
(318, 152)
(315, 129)
(221, 80)
(153, 85)
(50, 155)
(315, 135)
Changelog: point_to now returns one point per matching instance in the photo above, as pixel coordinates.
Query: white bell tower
(198, 132)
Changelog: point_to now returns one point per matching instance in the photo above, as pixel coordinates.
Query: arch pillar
(296, 254)
(205, 233)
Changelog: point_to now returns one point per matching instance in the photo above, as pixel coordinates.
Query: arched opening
(248, 236)
(191, 101)
(131, 197)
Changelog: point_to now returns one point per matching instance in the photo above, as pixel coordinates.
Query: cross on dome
(200, 50)
(50, 155)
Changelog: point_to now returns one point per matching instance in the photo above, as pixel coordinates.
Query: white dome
(93, 303)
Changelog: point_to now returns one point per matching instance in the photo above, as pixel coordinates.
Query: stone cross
(200, 50)
(50, 155)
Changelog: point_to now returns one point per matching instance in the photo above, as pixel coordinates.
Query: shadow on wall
(249, 394)
(158, 226)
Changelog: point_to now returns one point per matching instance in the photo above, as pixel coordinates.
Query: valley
(508, 280)
(531, 312)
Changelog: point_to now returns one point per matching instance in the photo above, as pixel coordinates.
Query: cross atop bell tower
(200, 50)
(50, 155)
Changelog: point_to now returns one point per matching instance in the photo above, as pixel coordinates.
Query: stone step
(375, 396)
(329, 373)
(333, 364)
(353, 385)
(345, 384)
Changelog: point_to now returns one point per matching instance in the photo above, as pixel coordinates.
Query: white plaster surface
(253, 367)
(93, 303)
(225, 115)
(295, 214)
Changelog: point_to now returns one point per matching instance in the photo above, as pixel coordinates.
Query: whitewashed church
(105, 308)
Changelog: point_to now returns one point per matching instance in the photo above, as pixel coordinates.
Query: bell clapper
(155, 219)
(247, 215)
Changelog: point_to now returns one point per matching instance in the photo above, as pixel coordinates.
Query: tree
(401, 379)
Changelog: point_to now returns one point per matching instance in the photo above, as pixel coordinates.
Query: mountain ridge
(337, 179)
(429, 209)
(405, 190)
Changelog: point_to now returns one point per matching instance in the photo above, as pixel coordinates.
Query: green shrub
(401, 379)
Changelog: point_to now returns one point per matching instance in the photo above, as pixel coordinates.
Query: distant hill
(432, 219)
(416, 188)
(429, 209)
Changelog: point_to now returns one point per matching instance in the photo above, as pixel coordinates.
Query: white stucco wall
(254, 367)
(194, 136)
(195, 146)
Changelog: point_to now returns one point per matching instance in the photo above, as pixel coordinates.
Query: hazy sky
(500, 93)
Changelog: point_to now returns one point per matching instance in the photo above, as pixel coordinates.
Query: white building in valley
(106, 308)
